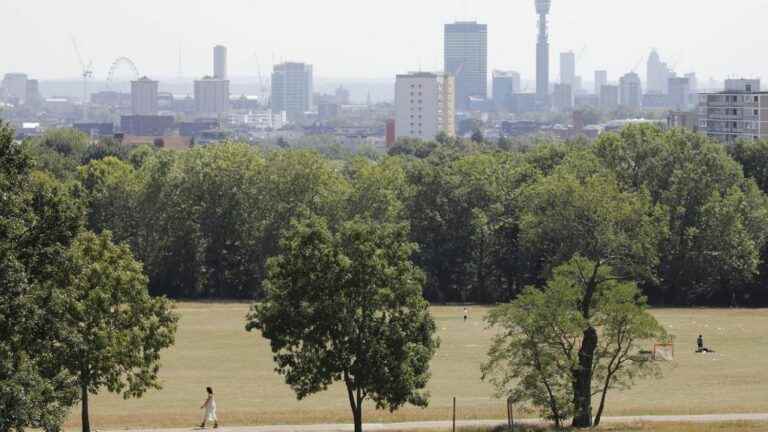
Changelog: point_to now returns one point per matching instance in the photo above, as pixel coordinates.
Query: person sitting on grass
(700, 348)
(210, 410)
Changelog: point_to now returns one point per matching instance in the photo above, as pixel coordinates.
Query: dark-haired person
(210, 409)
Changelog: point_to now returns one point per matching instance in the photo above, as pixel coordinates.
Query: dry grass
(213, 349)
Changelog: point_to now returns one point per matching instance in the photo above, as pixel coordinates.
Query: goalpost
(663, 352)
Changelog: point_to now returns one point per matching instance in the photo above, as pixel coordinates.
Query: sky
(370, 39)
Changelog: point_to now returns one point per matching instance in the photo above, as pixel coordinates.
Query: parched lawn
(213, 349)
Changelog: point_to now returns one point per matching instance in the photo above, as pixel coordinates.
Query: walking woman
(210, 410)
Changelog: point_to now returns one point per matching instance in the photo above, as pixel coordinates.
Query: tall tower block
(542, 54)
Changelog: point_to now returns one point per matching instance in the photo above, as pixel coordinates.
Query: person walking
(210, 409)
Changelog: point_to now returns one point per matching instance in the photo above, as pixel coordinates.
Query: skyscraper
(658, 74)
(466, 58)
(292, 86)
(679, 93)
(211, 97)
(568, 68)
(601, 79)
(505, 84)
(220, 62)
(144, 96)
(630, 91)
(424, 105)
(542, 54)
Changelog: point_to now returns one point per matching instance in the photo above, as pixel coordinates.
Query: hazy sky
(377, 39)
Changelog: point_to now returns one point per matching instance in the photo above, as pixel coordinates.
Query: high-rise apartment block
(466, 59)
(601, 79)
(220, 62)
(144, 96)
(292, 86)
(738, 112)
(15, 85)
(609, 97)
(505, 84)
(631, 91)
(568, 68)
(211, 97)
(424, 105)
(562, 97)
(679, 97)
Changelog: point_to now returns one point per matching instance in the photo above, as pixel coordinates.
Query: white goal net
(664, 352)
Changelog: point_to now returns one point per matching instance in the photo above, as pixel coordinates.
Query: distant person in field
(210, 409)
(466, 314)
(700, 348)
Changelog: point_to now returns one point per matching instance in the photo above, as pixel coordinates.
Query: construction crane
(637, 65)
(263, 84)
(86, 74)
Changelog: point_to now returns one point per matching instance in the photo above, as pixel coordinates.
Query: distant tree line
(204, 222)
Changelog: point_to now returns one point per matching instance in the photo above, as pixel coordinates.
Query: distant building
(466, 59)
(292, 85)
(144, 96)
(630, 91)
(658, 74)
(424, 105)
(111, 99)
(505, 84)
(562, 97)
(220, 62)
(192, 129)
(327, 111)
(15, 85)
(609, 97)
(683, 119)
(586, 100)
(96, 129)
(146, 125)
(738, 112)
(211, 97)
(542, 54)
(655, 100)
(391, 133)
(342, 96)
(601, 79)
(32, 95)
(568, 68)
(679, 93)
(524, 102)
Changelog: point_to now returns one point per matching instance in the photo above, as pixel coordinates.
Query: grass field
(213, 349)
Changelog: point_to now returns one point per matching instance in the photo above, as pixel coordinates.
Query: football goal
(663, 352)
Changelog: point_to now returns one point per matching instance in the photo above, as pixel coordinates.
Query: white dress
(210, 409)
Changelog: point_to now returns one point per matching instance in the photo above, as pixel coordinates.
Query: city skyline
(347, 45)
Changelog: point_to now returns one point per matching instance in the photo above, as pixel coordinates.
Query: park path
(446, 425)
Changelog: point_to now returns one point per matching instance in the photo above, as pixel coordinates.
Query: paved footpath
(446, 425)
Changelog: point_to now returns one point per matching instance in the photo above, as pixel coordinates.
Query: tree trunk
(583, 381)
(354, 403)
(86, 420)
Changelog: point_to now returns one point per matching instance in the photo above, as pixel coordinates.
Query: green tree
(348, 307)
(573, 213)
(537, 356)
(38, 220)
(115, 330)
(709, 252)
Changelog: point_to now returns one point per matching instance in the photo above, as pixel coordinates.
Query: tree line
(204, 222)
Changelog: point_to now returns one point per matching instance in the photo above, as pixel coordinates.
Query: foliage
(538, 356)
(37, 223)
(347, 306)
(114, 329)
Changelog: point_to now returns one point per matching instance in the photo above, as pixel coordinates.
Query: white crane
(86, 74)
